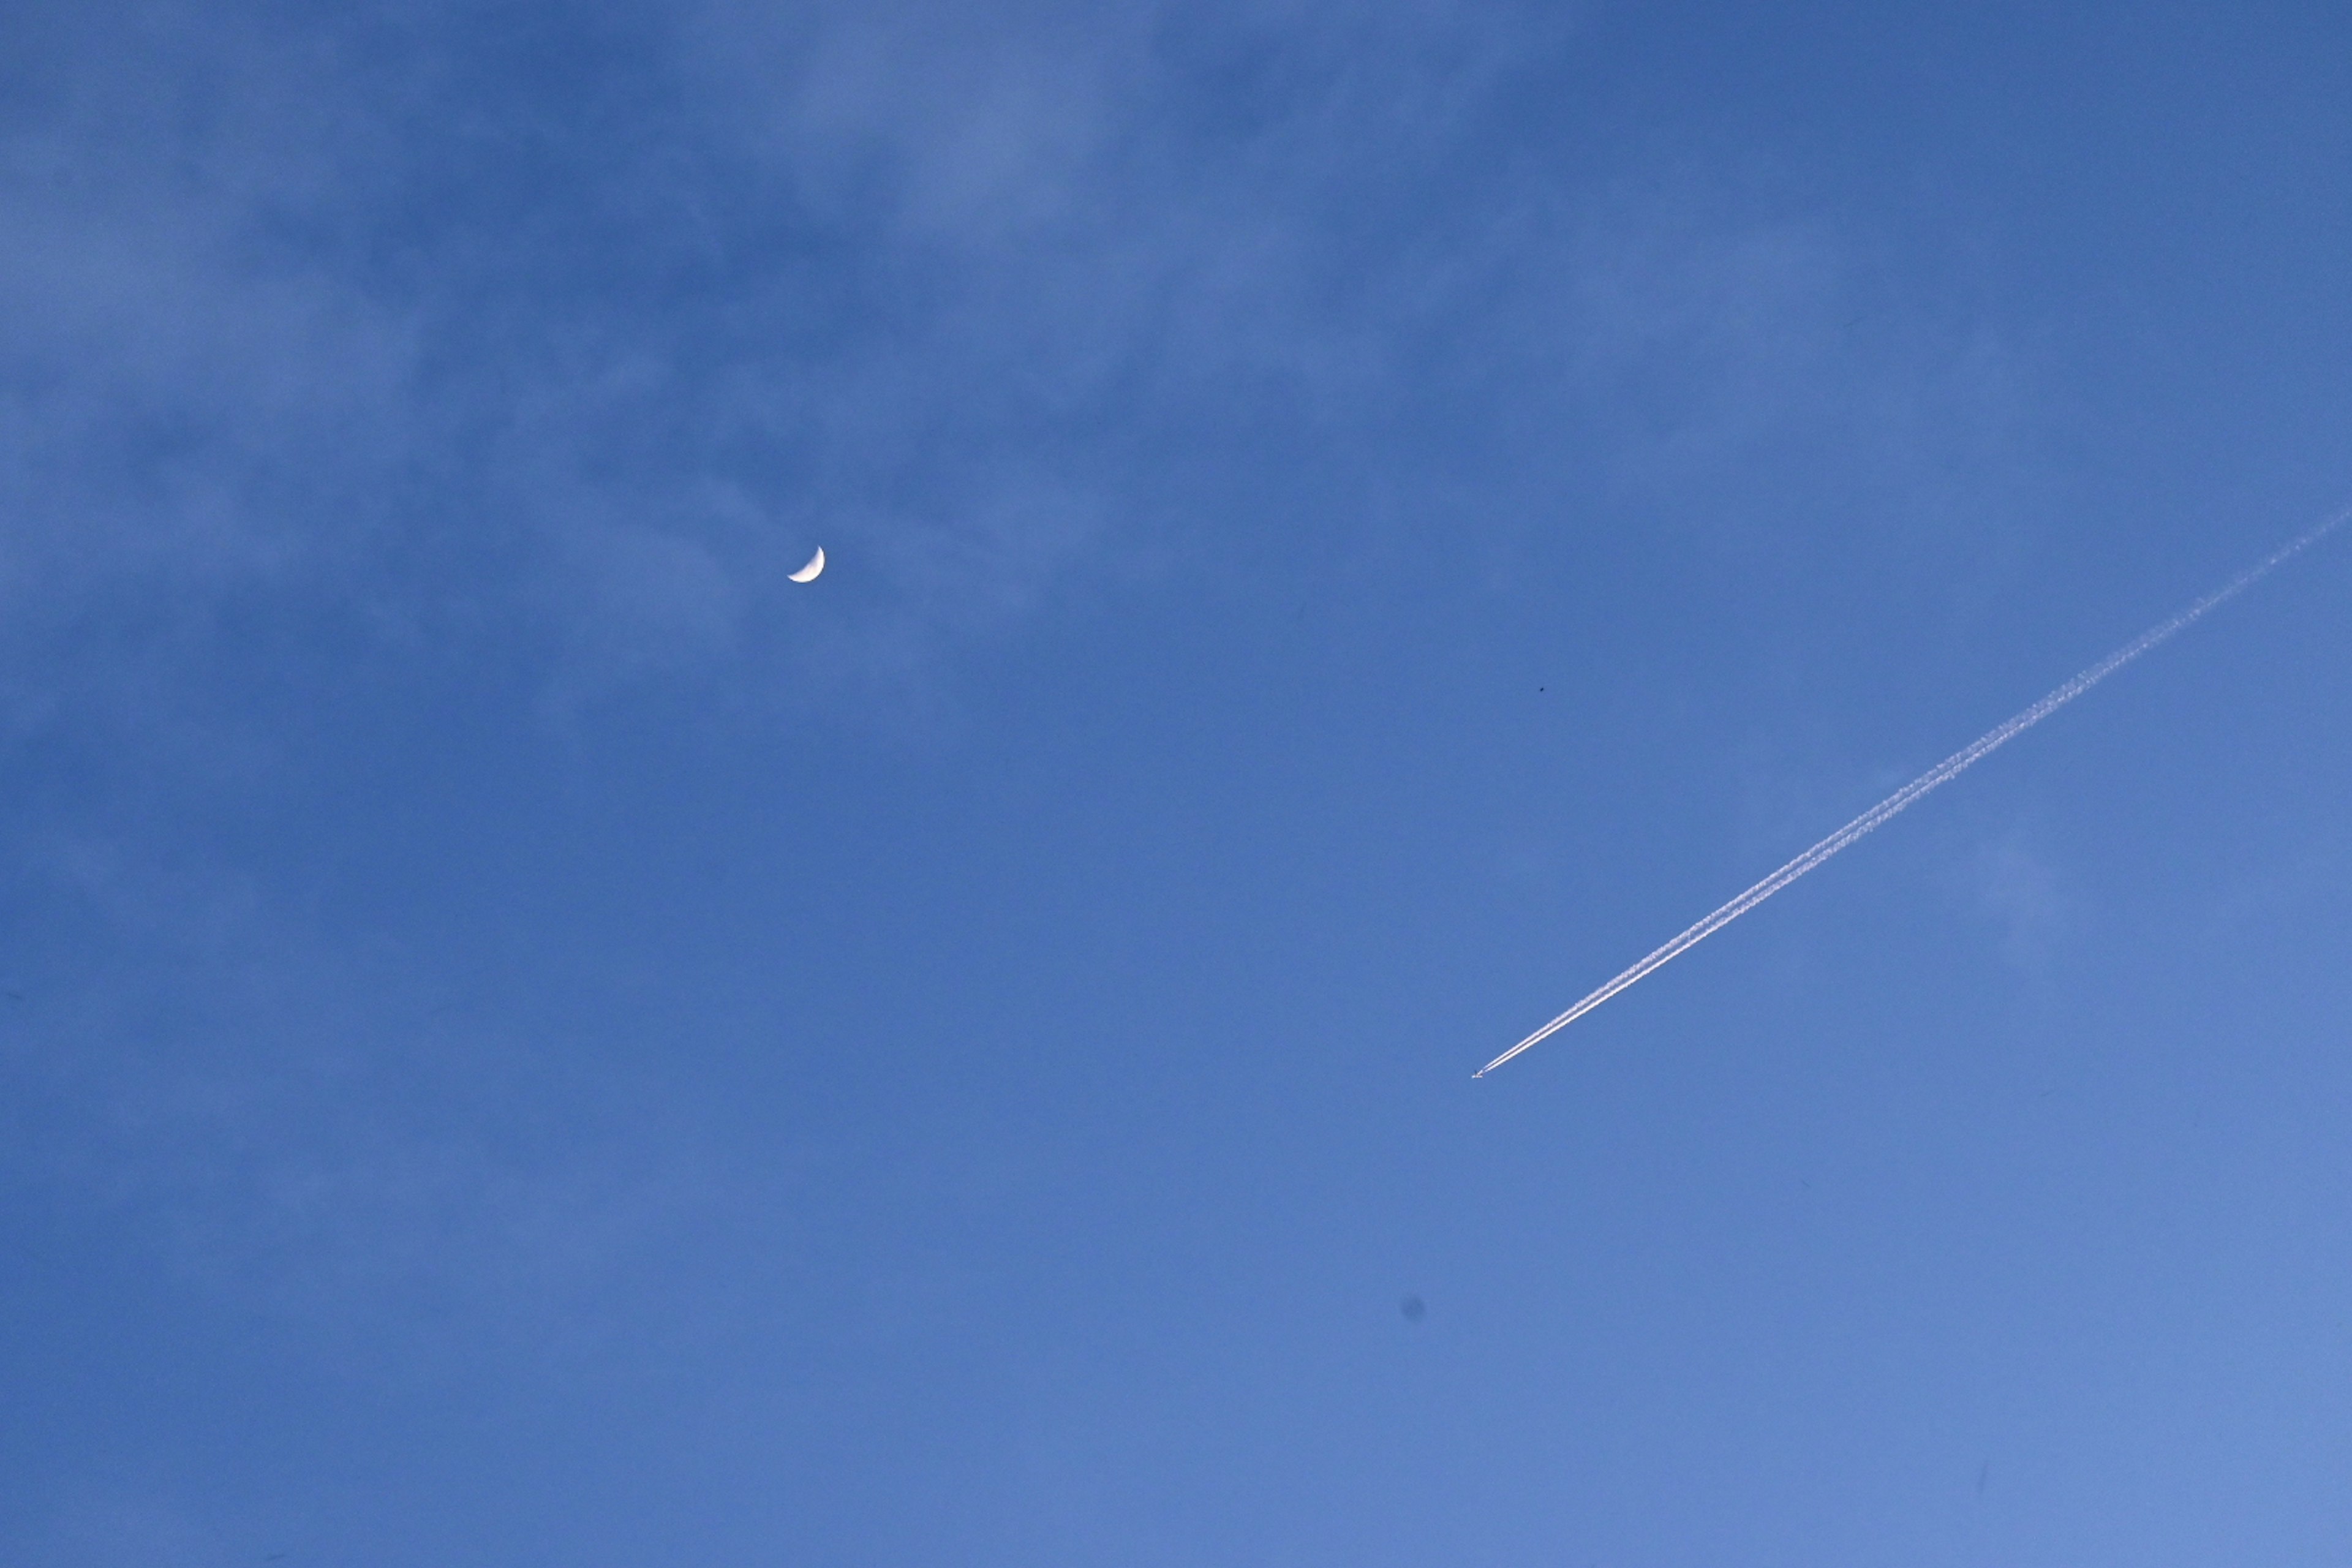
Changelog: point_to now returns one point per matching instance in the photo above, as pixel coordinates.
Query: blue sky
(531, 1039)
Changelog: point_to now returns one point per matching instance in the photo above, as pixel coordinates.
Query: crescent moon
(815, 564)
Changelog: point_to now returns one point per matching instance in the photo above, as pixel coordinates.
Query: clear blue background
(531, 1040)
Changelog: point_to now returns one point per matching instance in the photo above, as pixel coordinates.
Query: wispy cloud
(2025, 894)
(297, 1129)
(311, 316)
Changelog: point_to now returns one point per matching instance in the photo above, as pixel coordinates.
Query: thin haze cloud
(1943, 772)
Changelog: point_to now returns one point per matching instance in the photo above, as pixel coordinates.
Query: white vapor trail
(1943, 772)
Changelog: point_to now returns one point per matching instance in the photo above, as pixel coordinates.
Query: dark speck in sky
(1413, 1307)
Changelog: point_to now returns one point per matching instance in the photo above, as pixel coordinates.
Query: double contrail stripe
(1943, 772)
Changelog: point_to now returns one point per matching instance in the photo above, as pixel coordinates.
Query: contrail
(1943, 772)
